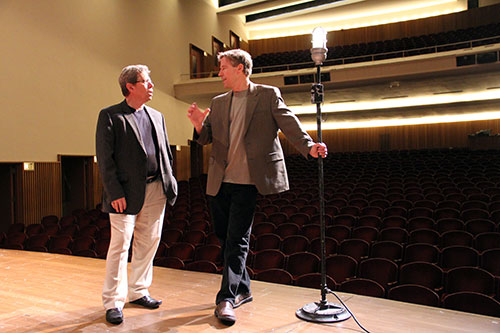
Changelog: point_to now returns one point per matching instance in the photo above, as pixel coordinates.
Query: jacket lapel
(251, 105)
(226, 107)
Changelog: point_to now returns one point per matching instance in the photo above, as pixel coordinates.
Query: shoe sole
(243, 301)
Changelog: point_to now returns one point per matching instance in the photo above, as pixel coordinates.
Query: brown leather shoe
(225, 313)
(242, 299)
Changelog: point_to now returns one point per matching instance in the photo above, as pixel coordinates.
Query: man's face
(143, 88)
(229, 74)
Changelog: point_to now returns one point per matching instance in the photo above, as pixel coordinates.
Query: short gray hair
(129, 75)
(236, 57)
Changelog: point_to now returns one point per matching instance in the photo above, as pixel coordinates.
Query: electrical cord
(345, 306)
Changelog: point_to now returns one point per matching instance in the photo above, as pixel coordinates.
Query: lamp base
(319, 312)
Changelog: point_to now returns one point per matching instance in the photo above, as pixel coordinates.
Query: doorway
(77, 183)
(8, 194)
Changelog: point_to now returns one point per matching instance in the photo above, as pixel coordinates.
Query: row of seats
(408, 46)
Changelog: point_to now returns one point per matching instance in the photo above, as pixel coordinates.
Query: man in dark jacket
(135, 163)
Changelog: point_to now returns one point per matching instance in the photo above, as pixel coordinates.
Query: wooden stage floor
(42, 292)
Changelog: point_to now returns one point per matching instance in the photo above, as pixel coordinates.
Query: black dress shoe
(225, 313)
(242, 299)
(147, 302)
(114, 316)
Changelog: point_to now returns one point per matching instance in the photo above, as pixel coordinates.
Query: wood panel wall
(41, 192)
(462, 20)
(183, 163)
(443, 135)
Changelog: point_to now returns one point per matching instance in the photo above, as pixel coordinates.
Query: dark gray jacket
(121, 157)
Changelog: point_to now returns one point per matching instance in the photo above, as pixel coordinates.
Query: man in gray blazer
(135, 163)
(246, 158)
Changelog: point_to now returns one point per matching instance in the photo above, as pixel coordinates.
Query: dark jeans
(232, 213)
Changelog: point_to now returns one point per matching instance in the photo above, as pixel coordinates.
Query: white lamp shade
(319, 38)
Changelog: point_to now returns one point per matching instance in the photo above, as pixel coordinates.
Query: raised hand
(196, 115)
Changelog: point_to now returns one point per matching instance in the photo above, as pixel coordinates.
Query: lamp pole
(322, 311)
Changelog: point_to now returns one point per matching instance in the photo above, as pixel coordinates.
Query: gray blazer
(266, 114)
(121, 157)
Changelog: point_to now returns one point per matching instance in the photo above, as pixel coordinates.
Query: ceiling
(278, 18)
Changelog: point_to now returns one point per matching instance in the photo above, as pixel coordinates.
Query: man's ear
(240, 67)
(130, 87)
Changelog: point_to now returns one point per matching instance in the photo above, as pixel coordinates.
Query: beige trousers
(146, 228)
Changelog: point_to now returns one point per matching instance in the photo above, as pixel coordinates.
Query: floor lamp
(322, 311)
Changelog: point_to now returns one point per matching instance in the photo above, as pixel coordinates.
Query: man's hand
(119, 205)
(319, 149)
(196, 115)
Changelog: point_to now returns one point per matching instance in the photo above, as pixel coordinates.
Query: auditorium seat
(71, 230)
(456, 237)
(182, 250)
(344, 219)
(311, 231)
(82, 243)
(448, 224)
(313, 280)
(458, 256)
(201, 225)
(170, 262)
(471, 279)
(339, 232)
(387, 249)
(474, 213)
(331, 246)
(267, 241)
(423, 274)
(210, 252)
(446, 212)
(67, 221)
(486, 241)
(395, 234)
(448, 204)
(102, 246)
(33, 229)
(301, 263)
(479, 225)
(289, 210)
(393, 221)
(274, 275)
(294, 243)
(266, 259)
(420, 222)
(490, 260)
(472, 302)
(421, 252)
(366, 233)
(356, 248)
(381, 270)
(263, 228)
(413, 293)
(364, 287)
(194, 237)
(299, 219)
(424, 235)
(171, 235)
(49, 219)
(425, 204)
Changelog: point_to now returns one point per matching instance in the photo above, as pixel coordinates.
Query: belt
(151, 179)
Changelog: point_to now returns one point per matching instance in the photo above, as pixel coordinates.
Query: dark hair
(236, 57)
(129, 75)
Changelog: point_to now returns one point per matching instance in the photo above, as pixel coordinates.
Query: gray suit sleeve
(104, 151)
(205, 137)
(290, 125)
